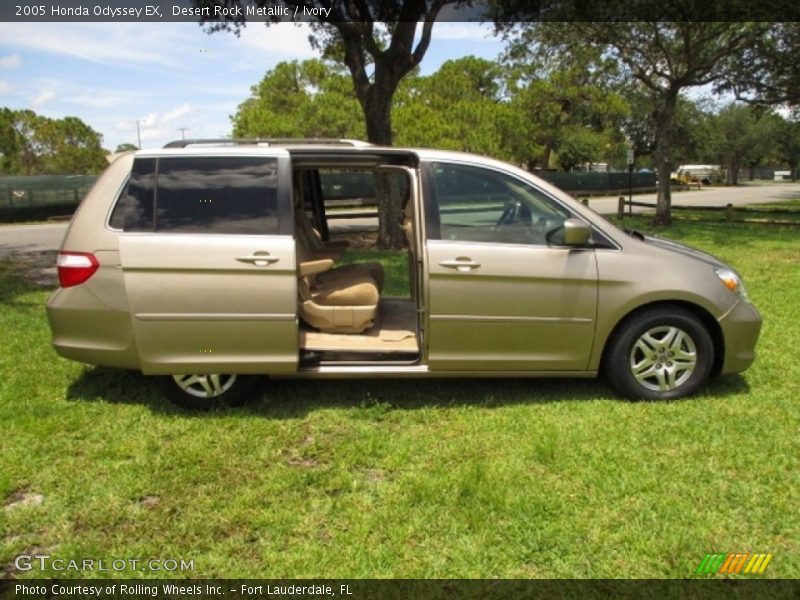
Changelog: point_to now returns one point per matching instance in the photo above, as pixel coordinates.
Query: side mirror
(576, 232)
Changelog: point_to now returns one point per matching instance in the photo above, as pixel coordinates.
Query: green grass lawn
(451, 478)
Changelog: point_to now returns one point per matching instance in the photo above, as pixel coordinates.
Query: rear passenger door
(208, 258)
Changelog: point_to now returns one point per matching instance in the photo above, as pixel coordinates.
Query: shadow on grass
(22, 274)
(296, 398)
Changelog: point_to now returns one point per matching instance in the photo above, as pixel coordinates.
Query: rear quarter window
(134, 209)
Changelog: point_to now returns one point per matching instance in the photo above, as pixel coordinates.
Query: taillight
(75, 267)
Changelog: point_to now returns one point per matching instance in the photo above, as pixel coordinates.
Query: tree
(769, 73)
(34, 145)
(376, 43)
(664, 58)
(9, 143)
(692, 130)
(308, 99)
(460, 107)
(787, 139)
(568, 110)
(741, 136)
(126, 147)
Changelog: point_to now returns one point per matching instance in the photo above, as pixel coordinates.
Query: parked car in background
(203, 263)
(704, 174)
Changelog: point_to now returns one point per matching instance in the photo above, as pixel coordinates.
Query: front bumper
(740, 328)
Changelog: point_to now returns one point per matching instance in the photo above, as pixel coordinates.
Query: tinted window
(483, 205)
(134, 209)
(217, 195)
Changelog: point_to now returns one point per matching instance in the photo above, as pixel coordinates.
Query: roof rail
(269, 142)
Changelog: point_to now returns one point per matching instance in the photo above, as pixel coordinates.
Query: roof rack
(269, 142)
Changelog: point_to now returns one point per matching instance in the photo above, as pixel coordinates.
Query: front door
(209, 266)
(503, 293)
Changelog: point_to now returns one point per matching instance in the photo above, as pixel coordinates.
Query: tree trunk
(733, 171)
(377, 111)
(548, 148)
(662, 154)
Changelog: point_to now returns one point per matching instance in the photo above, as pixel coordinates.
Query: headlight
(733, 282)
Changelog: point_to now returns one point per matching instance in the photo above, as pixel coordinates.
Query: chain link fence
(41, 196)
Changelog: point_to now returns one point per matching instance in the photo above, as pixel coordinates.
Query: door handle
(259, 259)
(461, 264)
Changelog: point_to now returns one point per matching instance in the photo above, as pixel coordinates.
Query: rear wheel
(660, 354)
(208, 391)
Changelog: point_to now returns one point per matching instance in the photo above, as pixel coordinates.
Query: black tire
(661, 353)
(208, 392)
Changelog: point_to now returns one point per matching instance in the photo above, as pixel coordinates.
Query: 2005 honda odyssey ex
(207, 263)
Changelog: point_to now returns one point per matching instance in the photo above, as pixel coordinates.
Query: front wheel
(208, 391)
(660, 354)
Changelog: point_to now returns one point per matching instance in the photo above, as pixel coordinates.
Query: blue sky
(166, 75)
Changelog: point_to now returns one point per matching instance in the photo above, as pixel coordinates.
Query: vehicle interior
(351, 310)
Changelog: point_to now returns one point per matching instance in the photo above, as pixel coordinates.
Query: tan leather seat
(335, 307)
(314, 248)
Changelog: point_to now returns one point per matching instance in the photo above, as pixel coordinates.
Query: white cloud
(281, 40)
(12, 61)
(171, 45)
(5, 87)
(177, 113)
(98, 101)
(149, 120)
(477, 32)
(44, 98)
(131, 43)
(165, 126)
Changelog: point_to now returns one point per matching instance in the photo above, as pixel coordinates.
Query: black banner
(406, 589)
(340, 11)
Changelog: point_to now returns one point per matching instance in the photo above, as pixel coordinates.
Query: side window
(233, 195)
(134, 209)
(482, 205)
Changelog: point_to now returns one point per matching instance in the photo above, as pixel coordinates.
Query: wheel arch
(705, 317)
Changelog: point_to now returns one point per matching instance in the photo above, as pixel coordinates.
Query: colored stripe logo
(734, 563)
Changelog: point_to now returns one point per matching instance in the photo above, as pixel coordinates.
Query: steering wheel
(510, 214)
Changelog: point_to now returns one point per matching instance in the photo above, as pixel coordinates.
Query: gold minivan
(207, 263)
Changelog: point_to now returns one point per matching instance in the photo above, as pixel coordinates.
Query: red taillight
(75, 267)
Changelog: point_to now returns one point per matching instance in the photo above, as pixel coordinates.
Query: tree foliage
(556, 116)
(312, 99)
(664, 58)
(460, 107)
(768, 72)
(788, 144)
(469, 104)
(35, 145)
(741, 136)
(567, 108)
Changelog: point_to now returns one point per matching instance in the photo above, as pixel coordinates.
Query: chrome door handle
(259, 259)
(461, 264)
